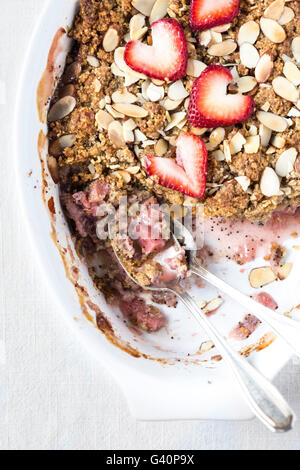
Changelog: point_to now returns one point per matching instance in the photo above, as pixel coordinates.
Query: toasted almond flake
(272, 30)
(269, 183)
(177, 91)
(160, 147)
(206, 346)
(284, 88)
(143, 6)
(216, 38)
(236, 143)
(265, 135)
(170, 105)
(128, 134)
(222, 49)
(252, 129)
(103, 119)
(130, 110)
(278, 141)
(272, 121)
(133, 170)
(137, 35)
(113, 112)
(61, 108)
(266, 106)
(213, 304)
(123, 96)
(248, 32)
(111, 39)
(222, 28)
(275, 10)
(286, 161)
(176, 119)
(227, 152)
(246, 84)
(116, 71)
(123, 175)
(155, 93)
(284, 271)
(216, 138)
(159, 10)
(270, 150)
(139, 136)
(296, 49)
(264, 68)
(195, 67)
(260, 277)
(198, 130)
(205, 38)
(287, 16)
(292, 73)
(130, 124)
(57, 146)
(244, 181)
(252, 144)
(136, 23)
(93, 61)
(293, 112)
(218, 155)
(115, 134)
(249, 55)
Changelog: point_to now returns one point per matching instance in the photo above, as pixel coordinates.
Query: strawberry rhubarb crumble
(174, 102)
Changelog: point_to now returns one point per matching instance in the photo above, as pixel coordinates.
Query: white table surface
(52, 395)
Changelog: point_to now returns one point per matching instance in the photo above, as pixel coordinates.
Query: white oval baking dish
(168, 380)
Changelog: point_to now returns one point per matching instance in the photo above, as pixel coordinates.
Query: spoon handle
(262, 397)
(284, 327)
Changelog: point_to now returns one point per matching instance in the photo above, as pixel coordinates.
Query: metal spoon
(262, 397)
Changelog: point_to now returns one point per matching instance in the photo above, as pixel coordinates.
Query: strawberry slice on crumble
(167, 58)
(188, 173)
(211, 106)
(206, 14)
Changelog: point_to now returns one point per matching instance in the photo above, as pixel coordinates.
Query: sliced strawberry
(205, 14)
(211, 106)
(166, 58)
(188, 175)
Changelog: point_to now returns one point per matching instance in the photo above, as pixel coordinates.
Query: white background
(52, 394)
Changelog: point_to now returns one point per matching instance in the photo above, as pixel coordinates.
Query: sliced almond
(244, 181)
(176, 119)
(218, 155)
(292, 73)
(155, 93)
(284, 271)
(133, 170)
(264, 68)
(170, 105)
(222, 49)
(115, 114)
(293, 112)
(227, 152)
(265, 135)
(275, 10)
(248, 32)
(216, 138)
(278, 141)
(57, 146)
(103, 119)
(195, 67)
(216, 38)
(93, 61)
(249, 55)
(296, 49)
(205, 38)
(122, 175)
(160, 147)
(130, 110)
(287, 16)
(252, 144)
(159, 10)
(260, 277)
(284, 88)
(130, 124)
(61, 108)
(269, 183)
(123, 96)
(221, 28)
(111, 39)
(286, 161)
(213, 304)
(246, 84)
(144, 6)
(236, 143)
(116, 70)
(177, 91)
(272, 30)
(115, 134)
(136, 23)
(272, 121)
